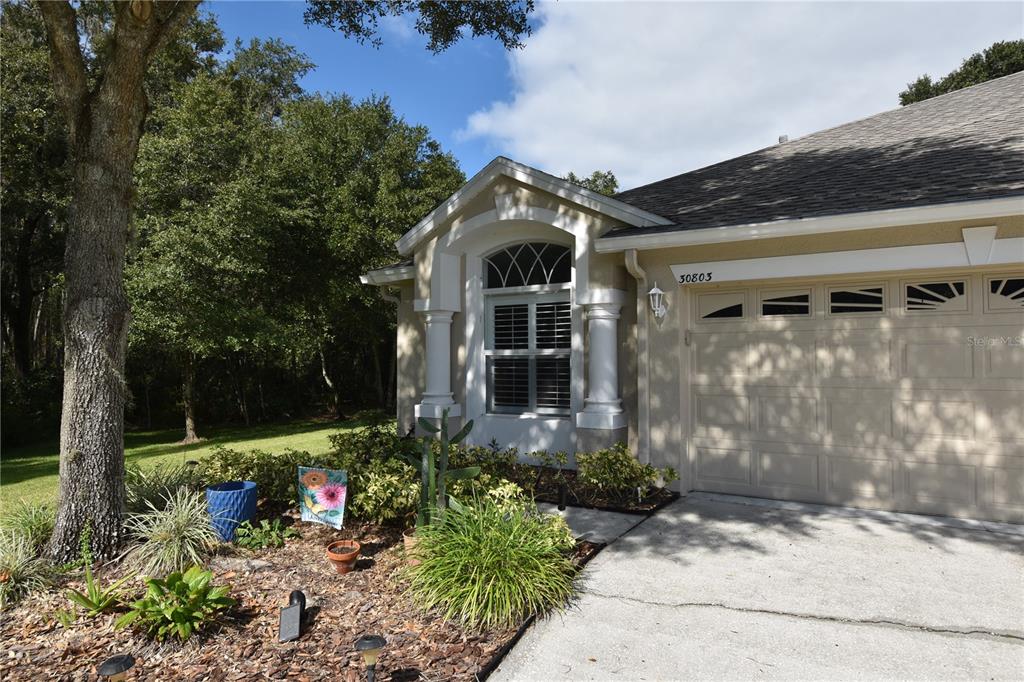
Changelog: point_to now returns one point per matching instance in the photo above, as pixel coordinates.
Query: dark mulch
(245, 646)
(582, 495)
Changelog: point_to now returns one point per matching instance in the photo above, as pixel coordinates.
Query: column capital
(603, 311)
(442, 316)
(593, 297)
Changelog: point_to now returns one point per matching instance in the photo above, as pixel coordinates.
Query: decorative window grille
(721, 306)
(936, 296)
(856, 300)
(529, 335)
(528, 264)
(1006, 294)
(796, 303)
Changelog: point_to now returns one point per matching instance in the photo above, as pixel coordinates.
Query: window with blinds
(529, 340)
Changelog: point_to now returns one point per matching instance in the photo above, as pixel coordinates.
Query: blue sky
(646, 89)
(438, 91)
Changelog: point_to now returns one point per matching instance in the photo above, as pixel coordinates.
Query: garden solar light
(116, 667)
(369, 646)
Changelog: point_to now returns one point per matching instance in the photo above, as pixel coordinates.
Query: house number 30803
(691, 277)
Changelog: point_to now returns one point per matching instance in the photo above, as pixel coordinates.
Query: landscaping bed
(589, 497)
(340, 608)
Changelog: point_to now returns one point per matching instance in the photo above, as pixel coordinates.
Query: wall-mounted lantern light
(657, 297)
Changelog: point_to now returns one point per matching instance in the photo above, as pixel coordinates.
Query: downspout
(643, 403)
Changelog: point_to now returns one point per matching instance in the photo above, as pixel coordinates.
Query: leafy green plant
(382, 490)
(21, 570)
(273, 473)
(151, 486)
(96, 599)
(171, 538)
(178, 605)
(434, 472)
(265, 535)
(34, 522)
(484, 567)
(618, 474)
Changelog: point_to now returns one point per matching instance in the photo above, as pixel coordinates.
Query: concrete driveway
(714, 587)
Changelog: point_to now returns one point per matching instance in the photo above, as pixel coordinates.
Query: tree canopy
(602, 182)
(1001, 59)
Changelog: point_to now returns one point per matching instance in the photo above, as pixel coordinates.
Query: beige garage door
(903, 392)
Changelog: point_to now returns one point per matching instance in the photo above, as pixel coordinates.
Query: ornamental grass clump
(173, 537)
(21, 570)
(486, 568)
(34, 522)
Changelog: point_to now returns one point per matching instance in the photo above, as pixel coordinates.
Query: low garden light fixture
(657, 297)
(369, 646)
(116, 667)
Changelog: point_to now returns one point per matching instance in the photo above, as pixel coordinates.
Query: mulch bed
(340, 608)
(579, 495)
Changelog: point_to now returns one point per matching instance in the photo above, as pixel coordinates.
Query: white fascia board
(896, 217)
(925, 256)
(387, 276)
(613, 208)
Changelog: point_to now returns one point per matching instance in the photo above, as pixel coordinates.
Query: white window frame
(528, 295)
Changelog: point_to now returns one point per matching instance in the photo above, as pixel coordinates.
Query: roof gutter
(965, 210)
(389, 276)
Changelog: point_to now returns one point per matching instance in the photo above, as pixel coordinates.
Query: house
(836, 318)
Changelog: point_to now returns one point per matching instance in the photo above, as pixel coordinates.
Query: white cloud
(650, 90)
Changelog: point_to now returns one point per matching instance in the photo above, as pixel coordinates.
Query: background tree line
(257, 206)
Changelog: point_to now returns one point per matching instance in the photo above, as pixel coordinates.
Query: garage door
(903, 393)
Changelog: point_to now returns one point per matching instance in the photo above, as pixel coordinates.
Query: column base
(434, 410)
(589, 440)
(602, 421)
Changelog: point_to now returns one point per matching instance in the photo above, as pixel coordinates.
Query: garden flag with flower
(322, 495)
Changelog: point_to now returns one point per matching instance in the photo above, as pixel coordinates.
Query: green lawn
(30, 472)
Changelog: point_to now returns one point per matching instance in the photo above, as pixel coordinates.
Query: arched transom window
(528, 264)
(529, 332)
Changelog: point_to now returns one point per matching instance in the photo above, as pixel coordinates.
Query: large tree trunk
(105, 124)
(188, 401)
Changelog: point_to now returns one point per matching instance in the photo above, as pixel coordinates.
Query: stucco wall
(411, 371)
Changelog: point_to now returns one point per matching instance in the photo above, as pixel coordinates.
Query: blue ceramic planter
(230, 504)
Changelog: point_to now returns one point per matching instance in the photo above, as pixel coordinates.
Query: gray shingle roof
(965, 145)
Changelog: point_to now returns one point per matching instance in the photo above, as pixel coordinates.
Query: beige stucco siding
(411, 371)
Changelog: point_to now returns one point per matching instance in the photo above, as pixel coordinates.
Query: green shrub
(34, 522)
(377, 441)
(618, 474)
(265, 535)
(178, 605)
(21, 570)
(483, 567)
(151, 486)
(382, 490)
(174, 537)
(275, 474)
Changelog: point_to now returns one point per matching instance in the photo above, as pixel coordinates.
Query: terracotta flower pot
(410, 541)
(343, 554)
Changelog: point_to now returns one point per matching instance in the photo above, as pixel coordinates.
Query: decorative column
(438, 393)
(602, 407)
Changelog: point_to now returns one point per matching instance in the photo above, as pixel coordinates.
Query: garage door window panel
(857, 300)
(936, 297)
(724, 306)
(786, 303)
(1005, 294)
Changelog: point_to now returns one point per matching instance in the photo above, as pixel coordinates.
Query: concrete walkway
(714, 587)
